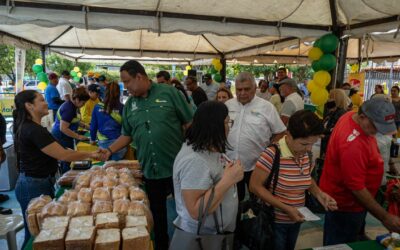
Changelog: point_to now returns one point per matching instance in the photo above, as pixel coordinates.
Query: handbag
(198, 241)
(255, 227)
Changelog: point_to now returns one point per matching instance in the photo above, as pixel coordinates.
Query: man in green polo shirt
(154, 117)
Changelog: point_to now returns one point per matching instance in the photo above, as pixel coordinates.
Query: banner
(6, 105)
(19, 69)
(357, 80)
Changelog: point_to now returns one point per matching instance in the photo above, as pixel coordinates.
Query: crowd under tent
(262, 31)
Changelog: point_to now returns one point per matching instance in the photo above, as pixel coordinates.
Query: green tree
(7, 61)
(58, 64)
(30, 58)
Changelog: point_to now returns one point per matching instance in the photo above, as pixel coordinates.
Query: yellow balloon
(215, 61)
(42, 86)
(185, 73)
(354, 68)
(218, 66)
(315, 53)
(90, 73)
(79, 74)
(188, 67)
(76, 69)
(311, 86)
(96, 75)
(322, 78)
(39, 61)
(319, 97)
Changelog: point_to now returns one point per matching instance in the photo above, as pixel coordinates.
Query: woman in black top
(37, 151)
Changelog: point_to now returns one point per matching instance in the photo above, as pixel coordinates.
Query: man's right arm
(121, 142)
(390, 221)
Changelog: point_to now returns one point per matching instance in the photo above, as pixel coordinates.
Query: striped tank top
(294, 179)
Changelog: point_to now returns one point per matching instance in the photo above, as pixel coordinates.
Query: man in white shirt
(210, 87)
(256, 124)
(293, 101)
(64, 87)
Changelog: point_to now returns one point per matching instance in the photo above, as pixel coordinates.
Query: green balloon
(316, 66)
(37, 68)
(328, 43)
(76, 78)
(73, 73)
(213, 71)
(42, 77)
(317, 43)
(217, 78)
(327, 62)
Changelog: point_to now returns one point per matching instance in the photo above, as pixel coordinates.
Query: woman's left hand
(327, 201)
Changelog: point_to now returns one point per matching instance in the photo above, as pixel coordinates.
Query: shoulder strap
(203, 213)
(273, 175)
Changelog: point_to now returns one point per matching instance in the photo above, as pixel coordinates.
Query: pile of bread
(104, 204)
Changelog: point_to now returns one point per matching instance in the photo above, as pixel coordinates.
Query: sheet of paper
(308, 215)
(334, 247)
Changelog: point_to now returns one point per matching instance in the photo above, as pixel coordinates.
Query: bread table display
(50, 239)
(101, 194)
(56, 221)
(120, 192)
(82, 180)
(35, 207)
(102, 207)
(107, 239)
(80, 238)
(78, 208)
(85, 195)
(135, 238)
(68, 196)
(81, 221)
(107, 220)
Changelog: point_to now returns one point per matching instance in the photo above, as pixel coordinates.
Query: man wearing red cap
(353, 171)
(52, 96)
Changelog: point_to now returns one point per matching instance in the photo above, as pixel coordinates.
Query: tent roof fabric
(192, 29)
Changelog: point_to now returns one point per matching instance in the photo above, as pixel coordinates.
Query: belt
(37, 175)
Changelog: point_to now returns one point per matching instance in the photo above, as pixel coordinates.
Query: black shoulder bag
(255, 227)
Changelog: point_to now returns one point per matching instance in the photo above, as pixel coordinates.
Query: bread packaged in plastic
(96, 182)
(81, 221)
(56, 221)
(121, 207)
(137, 194)
(139, 208)
(54, 208)
(83, 179)
(85, 195)
(102, 194)
(107, 220)
(68, 196)
(110, 182)
(78, 208)
(36, 204)
(120, 192)
(102, 207)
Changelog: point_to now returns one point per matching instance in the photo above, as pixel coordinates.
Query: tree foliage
(58, 64)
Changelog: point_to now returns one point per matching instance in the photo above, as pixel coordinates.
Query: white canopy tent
(258, 30)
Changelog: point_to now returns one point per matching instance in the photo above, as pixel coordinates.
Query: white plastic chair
(9, 226)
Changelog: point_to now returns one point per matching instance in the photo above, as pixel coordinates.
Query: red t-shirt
(352, 162)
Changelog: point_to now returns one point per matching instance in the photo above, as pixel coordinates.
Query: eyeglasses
(230, 123)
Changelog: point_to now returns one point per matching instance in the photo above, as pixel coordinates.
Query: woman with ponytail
(107, 120)
(37, 151)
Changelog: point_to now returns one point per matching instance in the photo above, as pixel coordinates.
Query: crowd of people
(205, 146)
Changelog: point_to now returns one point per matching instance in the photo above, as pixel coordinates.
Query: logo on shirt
(161, 101)
(133, 106)
(353, 135)
(256, 113)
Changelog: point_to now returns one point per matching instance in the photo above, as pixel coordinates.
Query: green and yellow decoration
(76, 74)
(37, 68)
(323, 61)
(215, 70)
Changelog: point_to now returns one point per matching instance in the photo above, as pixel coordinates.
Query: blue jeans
(286, 235)
(66, 142)
(343, 227)
(28, 188)
(117, 155)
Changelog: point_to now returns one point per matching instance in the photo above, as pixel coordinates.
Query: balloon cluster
(215, 69)
(76, 74)
(323, 61)
(37, 68)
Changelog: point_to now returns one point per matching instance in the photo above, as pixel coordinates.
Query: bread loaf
(81, 221)
(112, 172)
(36, 204)
(101, 194)
(53, 208)
(56, 221)
(107, 239)
(68, 196)
(136, 221)
(135, 238)
(50, 239)
(120, 192)
(138, 208)
(121, 207)
(110, 182)
(33, 225)
(96, 182)
(83, 180)
(137, 194)
(85, 195)
(102, 207)
(107, 220)
(78, 208)
(80, 238)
